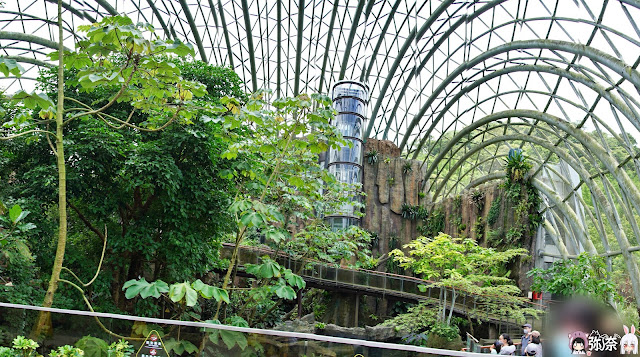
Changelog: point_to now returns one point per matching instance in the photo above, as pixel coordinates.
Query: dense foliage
(587, 275)
(458, 267)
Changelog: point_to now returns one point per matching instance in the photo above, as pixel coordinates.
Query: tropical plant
(25, 347)
(372, 157)
(517, 166)
(477, 199)
(283, 185)
(407, 168)
(66, 351)
(120, 348)
(494, 211)
(18, 274)
(116, 54)
(587, 275)
(461, 266)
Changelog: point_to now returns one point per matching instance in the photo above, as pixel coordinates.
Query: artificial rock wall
(388, 185)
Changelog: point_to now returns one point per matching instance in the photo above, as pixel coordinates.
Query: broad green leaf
(237, 321)
(154, 289)
(285, 292)
(268, 270)
(10, 66)
(14, 213)
(133, 287)
(93, 346)
(267, 148)
(220, 294)
(294, 280)
(198, 285)
(232, 338)
(296, 181)
(184, 293)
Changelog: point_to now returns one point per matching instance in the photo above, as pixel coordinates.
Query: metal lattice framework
(453, 83)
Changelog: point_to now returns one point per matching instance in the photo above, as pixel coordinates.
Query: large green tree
(159, 194)
(117, 55)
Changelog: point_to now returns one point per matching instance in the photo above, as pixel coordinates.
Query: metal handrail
(386, 275)
(277, 333)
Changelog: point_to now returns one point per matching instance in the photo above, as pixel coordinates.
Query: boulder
(380, 333)
(348, 332)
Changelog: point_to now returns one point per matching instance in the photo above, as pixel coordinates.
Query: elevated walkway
(385, 285)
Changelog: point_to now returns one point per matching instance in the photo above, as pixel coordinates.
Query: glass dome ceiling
(453, 83)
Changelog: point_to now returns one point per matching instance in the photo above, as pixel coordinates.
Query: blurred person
(508, 348)
(535, 346)
(526, 337)
(495, 347)
(582, 326)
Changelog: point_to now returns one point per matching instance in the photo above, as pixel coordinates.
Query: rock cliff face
(389, 183)
(393, 181)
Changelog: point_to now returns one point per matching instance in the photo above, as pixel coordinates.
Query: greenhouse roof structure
(455, 84)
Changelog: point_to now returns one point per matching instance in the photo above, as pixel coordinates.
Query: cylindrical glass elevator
(350, 100)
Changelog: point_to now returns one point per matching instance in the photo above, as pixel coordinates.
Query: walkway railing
(400, 287)
(198, 338)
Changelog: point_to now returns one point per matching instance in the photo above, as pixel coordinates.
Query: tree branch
(104, 248)
(87, 223)
(102, 326)
(9, 137)
(110, 103)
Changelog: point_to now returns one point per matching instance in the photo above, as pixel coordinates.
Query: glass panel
(346, 173)
(347, 154)
(350, 105)
(349, 125)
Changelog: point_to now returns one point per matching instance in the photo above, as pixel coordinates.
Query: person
(526, 338)
(534, 348)
(508, 348)
(495, 347)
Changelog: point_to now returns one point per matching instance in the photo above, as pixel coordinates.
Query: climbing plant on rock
(519, 190)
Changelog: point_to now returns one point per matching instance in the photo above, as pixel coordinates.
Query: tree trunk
(453, 304)
(43, 323)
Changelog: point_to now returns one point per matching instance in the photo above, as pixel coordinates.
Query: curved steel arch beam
(589, 143)
(569, 213)
(621, 176)
(366, 70)
(628, 112)
(412, 36)
(325, 58)
(19, 36)
(560, 98)
(597, 56)
(352, 35)
(452, 29)
(31, 61)
(296, 81)
(155, 11)
(107, 7)
(194, 29)
(249, 34)
(562, 248)
(227, 40)
(501, 175)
